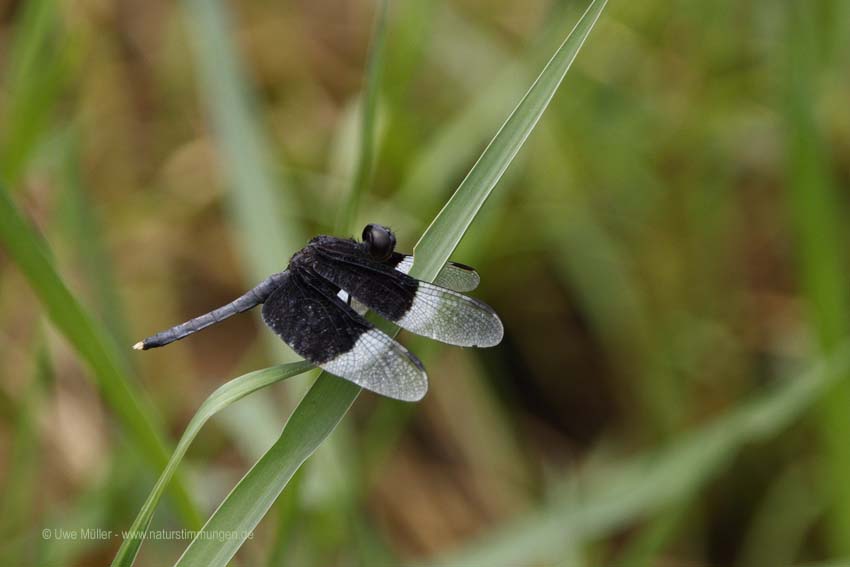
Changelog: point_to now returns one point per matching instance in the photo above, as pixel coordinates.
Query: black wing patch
(306, 313)
(454, 276)
(417, 306)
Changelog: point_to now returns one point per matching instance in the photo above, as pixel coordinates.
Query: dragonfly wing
(308, 315)
(454, 275)
(419, 307)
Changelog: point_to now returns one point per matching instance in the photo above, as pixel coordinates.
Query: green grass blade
(91, 342)
(262, 210)
(602, 502)
(34, 81)
(775, 536)
(20, 486)
(814, 205)
(85, 230)
(446, 155)
(327, 401)
(451, 222)
(312, 421)
(365, 166)
(264, 215)
(224, 396)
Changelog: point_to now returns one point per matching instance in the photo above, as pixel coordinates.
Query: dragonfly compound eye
(380, 241)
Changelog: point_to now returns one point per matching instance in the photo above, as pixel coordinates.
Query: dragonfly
(317, 305)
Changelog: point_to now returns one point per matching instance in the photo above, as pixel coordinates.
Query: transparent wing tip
(495, 336)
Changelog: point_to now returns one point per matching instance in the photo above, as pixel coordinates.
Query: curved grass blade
(316, 416)
(92, 343)
(262, 211)
(814, 200)
(33, 83)
(264, 216)
(450, 224)
(224, 396)
(85, 230)
(455, 144)
(601, 502)
(365, 165)
(327, 401)
(20, 486)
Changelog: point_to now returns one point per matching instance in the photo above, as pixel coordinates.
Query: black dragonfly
(317, 305)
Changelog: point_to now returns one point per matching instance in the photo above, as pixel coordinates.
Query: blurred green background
(668, 255)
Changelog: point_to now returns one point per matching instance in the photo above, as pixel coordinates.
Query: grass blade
(256, 207)
(365, 165)
(34, 80)
(20, 485)
(264, 216)
(814, 205)
(327, 401)
(91, 342)
(598, 504)
(224, 396)
(445, 156)
(85, 229)
(262, 211)
(312, 421)
(446, 230)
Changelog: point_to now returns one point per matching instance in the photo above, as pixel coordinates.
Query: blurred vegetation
(667, 254)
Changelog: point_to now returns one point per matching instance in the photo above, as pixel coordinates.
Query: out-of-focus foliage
(668, 254)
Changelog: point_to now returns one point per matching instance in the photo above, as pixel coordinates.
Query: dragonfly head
(379, 241)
